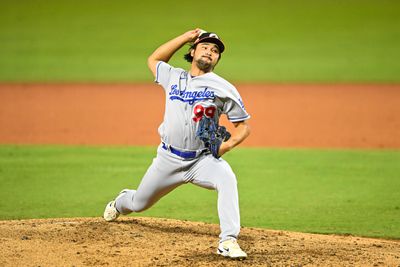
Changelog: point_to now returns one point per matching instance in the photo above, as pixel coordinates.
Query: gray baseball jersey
(189, 98)
(181, 158)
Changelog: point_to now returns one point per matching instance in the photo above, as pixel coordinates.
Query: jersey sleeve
(235, 110)
(163, 74)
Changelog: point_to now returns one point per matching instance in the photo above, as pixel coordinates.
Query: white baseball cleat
(230, 248)
(111, 213)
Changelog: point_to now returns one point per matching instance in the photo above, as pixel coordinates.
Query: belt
(182, 154)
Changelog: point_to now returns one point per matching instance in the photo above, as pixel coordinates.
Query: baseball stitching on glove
(212, 135)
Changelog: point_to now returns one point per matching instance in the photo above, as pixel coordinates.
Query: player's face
(206, 56)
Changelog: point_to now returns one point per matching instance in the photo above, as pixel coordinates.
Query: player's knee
(140, 206)
(226, 179)
(139, 209)
(124, 210)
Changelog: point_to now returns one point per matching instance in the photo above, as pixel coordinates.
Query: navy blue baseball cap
(210, 37)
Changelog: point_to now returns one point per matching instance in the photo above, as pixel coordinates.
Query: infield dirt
(164, 242)
(329, 116)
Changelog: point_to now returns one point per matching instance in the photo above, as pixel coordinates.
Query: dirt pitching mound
(133, 241)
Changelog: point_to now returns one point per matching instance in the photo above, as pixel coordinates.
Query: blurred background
(321, 79)
(267, 40)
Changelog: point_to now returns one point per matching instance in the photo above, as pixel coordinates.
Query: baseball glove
(212, 135)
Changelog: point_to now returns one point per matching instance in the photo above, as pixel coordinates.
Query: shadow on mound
(165, 242)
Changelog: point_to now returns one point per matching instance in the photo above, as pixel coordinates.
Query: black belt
(182, 154)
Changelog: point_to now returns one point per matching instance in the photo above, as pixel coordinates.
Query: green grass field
(274, 41)
(325, 191)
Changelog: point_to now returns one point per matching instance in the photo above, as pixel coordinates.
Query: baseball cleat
(111, 213)
(230, 248)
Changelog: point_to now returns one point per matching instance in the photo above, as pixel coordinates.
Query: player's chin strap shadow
(212, 135)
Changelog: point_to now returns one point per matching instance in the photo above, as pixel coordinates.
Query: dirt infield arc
(164, 242)
(331, 116)
(328, 116)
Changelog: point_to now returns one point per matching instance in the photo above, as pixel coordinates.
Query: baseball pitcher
(192, 141)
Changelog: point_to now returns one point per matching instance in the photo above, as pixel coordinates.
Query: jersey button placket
(185, 139)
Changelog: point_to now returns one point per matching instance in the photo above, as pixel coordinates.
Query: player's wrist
(226, 146)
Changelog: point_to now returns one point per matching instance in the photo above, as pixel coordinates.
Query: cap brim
(213, 40)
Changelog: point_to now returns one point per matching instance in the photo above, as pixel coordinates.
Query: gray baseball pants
(169, 171)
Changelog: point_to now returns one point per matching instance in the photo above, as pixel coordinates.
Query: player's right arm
(167, 50)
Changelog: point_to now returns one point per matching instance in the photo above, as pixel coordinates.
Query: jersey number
(199, 111)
